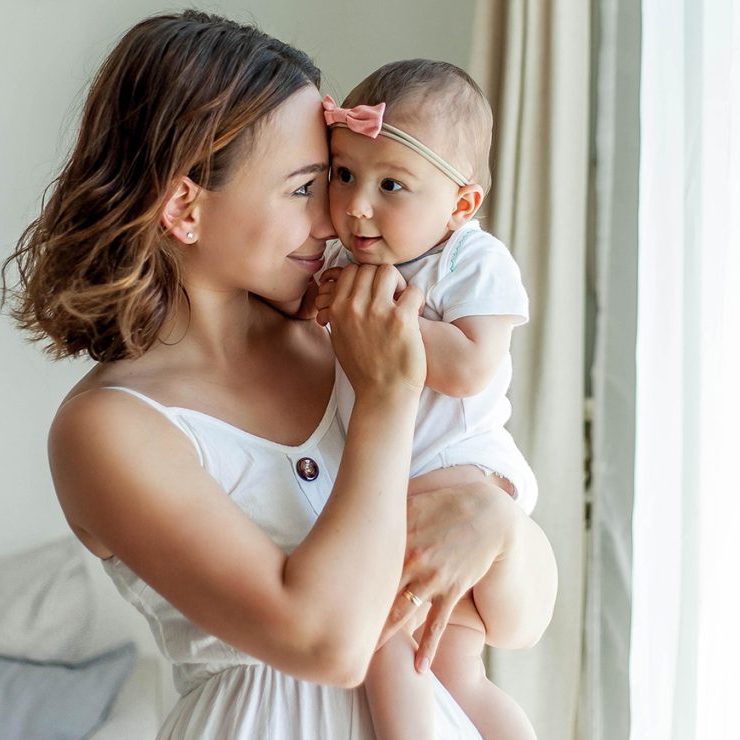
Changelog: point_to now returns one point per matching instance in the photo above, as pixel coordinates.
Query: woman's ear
(469, 199)
(179, 216)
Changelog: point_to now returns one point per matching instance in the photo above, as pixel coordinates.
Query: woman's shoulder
(94, 418)
(105, 374)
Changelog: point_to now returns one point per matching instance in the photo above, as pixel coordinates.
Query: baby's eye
(391, 186)
(343, 175)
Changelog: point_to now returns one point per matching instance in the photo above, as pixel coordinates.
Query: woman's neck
(219, 328)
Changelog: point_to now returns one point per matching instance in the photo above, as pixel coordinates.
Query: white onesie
(471, 274)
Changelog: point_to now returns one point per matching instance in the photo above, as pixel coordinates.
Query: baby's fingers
(437, 619)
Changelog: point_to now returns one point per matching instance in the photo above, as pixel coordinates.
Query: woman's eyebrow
(309, 169)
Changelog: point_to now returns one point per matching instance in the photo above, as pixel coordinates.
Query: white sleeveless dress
(227, 694)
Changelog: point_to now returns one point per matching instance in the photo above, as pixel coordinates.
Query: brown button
(307, 468)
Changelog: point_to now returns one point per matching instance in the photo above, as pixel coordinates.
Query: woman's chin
(289, 306)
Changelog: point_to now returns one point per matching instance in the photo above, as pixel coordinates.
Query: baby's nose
(359, 207)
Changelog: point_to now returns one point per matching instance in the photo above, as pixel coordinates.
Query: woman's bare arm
(132, 480)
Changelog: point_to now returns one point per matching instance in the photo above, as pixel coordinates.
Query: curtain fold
(532, 59)
(614, 214)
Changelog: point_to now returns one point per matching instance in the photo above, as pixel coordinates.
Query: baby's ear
(469, 199)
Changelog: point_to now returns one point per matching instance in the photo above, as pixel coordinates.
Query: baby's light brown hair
(437, 92)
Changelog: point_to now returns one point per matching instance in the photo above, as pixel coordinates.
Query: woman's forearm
(360, 536)
(516, 598)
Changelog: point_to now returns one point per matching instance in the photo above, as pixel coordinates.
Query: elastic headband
(368, 120)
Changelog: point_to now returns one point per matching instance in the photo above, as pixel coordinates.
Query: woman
(178, 243)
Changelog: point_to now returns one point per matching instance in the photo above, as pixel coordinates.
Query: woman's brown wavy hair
(180, 94)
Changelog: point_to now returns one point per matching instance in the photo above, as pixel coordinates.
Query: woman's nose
(321, 225)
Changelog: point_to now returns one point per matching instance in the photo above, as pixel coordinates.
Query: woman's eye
(391, 186)
(343, 175)
(305, 190)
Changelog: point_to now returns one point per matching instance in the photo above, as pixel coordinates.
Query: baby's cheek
(336, 210)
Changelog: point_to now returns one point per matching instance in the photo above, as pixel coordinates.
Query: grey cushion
(60, 701)
(46, 604)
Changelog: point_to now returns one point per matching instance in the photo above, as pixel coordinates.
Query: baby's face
(388, 204)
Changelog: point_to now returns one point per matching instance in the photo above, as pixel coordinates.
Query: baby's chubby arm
(464, 355)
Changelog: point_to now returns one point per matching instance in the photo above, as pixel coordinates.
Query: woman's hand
(374, 327)
(454, 537)
(324, 295)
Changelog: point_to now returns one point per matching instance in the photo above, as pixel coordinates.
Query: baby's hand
(327, 284)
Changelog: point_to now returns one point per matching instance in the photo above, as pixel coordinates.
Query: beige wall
(48, 50)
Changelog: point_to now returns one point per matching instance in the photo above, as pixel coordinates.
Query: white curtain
(686, 603)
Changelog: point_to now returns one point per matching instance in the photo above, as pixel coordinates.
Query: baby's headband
(368, 120)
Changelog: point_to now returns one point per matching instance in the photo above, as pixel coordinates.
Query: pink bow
(362, 119)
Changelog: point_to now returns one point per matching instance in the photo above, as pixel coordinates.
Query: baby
(409, 171)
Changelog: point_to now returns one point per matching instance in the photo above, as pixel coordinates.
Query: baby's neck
(432, 250)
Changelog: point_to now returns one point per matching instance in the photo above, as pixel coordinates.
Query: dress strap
(165, 411)
(154, 404)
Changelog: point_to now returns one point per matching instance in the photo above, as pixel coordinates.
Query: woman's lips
(310, 263)
(364, 242)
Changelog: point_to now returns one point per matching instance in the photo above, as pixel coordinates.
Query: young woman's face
(266, 230)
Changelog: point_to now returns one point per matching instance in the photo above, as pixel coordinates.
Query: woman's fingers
(344, 282)
(361, 290)
(388, 284)
(376, 339)
(411, 299)
(332, 273)
(436, 622)
(323, 301)
(335, 284)
(382, 284)
(405, 611)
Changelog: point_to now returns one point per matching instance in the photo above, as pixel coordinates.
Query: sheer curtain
(686, 525)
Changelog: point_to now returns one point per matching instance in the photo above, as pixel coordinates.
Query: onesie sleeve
(479, 277)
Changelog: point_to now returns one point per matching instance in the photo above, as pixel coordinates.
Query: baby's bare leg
(459, 666)
(458, 663)
(498, 594)
(401, 700)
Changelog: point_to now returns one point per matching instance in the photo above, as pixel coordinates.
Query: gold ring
(413, 598)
